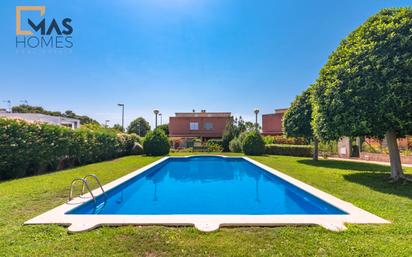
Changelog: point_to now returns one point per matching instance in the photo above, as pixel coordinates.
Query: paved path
(364, 161)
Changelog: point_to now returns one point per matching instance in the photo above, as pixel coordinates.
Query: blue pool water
(207, 185)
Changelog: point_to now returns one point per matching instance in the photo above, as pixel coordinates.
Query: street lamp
(161, 121)
(8, 105)
(256, 111)
(122, 105)
(156, 112)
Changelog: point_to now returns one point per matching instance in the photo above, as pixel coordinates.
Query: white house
(38, 117)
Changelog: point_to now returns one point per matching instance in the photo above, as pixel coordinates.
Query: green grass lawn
(364, 185)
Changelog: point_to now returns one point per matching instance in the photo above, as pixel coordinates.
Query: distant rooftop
(281, 110)
(203, 114)
(277, 111)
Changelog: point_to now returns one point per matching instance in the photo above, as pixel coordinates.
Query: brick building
(186, 126)
(272, 123)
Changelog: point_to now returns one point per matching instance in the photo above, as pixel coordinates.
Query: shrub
(156, 143)
(137, 149)
(268, 140)
(282, 140)
(253, 144)
(328, 148)
(235, 145)
(216, 142)
(214, 147)
(291, 150)
(34, 148)
(242, 136)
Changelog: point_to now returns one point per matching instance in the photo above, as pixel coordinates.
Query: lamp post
(8, 105)
(122, 105)
(156, 112)
(161, 121)
(256, 111)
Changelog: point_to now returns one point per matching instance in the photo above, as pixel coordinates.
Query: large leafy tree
(165, 128)
(297, 120)
(139, 126)
(118, 127)
(365, 88)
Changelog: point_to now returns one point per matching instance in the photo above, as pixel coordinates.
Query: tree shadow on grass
(346, 165)
(380, 182)
(373, 176)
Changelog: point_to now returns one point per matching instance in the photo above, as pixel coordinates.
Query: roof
(39, 117)
(204, 114)
(282, 110)
(277, 112)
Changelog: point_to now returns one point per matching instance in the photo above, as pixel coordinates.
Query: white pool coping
(206, 223)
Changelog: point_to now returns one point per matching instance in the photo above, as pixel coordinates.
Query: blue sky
(177, 55)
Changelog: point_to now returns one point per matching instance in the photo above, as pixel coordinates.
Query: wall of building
(180, 126)
(272, 124)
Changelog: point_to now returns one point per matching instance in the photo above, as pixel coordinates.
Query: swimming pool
(207, 191)
(206, 185)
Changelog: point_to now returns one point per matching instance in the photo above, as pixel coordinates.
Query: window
(194, 125)
(208, 125)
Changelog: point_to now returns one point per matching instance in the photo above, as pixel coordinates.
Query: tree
(243, 126)
(228, 134)
(233, 129)
(118, 127)
(249, 126)
(297, 120)
(139, 126)
(165, 128)
(365, 88)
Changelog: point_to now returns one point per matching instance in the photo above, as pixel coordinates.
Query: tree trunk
(395, 158)
(315, 149)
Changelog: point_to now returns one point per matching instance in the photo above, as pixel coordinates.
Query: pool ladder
(85, 184)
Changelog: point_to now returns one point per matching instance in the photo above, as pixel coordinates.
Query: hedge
(218, 142)
(283, 140)
(291, 150)
(214, 145)
(34, 148)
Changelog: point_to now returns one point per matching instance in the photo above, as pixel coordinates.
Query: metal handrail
(84, 183)
(98, 182)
